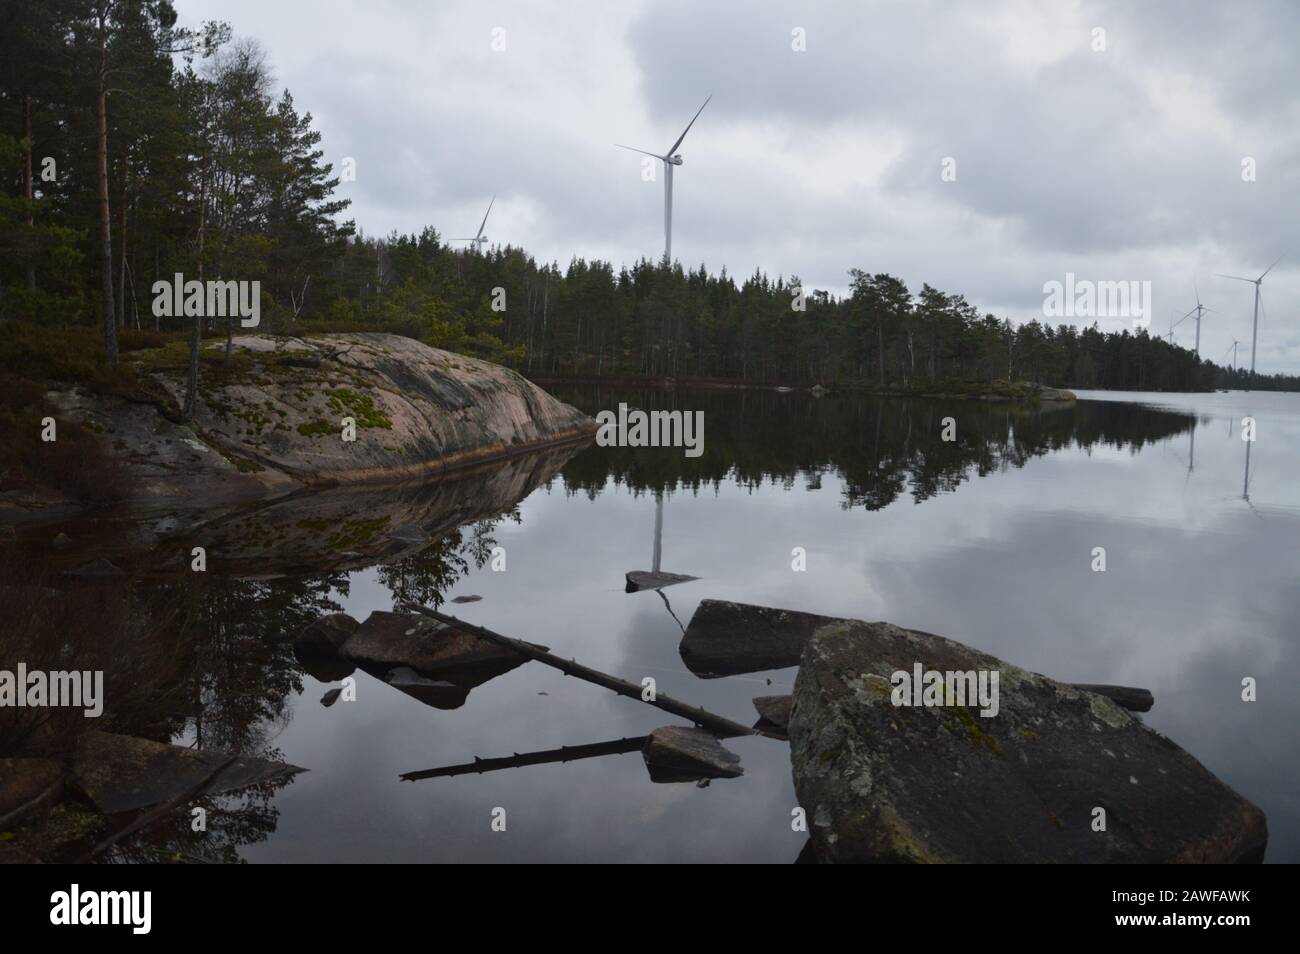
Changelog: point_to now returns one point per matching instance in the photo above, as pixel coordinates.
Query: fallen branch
(1127, 697)
(565, 753)
(720, 726)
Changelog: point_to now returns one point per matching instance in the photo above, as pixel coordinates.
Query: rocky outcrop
(272, 419)
(942, 783)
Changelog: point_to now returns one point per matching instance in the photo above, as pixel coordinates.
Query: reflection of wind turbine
(656, 579)
(669, 159)
(479, 240)
(1257, 282)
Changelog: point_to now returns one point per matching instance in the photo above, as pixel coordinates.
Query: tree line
(132, 149)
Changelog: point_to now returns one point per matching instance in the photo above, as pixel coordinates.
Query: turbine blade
(673, 148)
(485, 215)
(1236, 278)
(1270, 268)
(642, 151)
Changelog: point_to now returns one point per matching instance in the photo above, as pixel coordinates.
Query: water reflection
(985, 539)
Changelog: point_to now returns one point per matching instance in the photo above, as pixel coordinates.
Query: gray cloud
(1122, 164)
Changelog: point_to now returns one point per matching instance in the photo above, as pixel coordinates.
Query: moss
(316, 428)
(359, 406)
(975, 730)
(356, 532)
(245, 466)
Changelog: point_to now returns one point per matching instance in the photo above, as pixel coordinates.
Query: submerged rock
(389, 640)
(317, 647)
(676, 753)
(773, 714)
(725, 638)
(638, 580)
(121, 773)
(325, 635)
(438, 693)
(942, 783)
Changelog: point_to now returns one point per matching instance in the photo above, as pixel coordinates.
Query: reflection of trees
(424, 577)
(880, 447)
(232, 821)
(244, 671)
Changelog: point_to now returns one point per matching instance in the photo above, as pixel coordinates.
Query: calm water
(987, 540)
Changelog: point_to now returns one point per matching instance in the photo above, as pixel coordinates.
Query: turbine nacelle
(675, 160)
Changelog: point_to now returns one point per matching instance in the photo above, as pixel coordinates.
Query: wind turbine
(1201, 308)
(479, 240)
(669, 159)
(1255, 329)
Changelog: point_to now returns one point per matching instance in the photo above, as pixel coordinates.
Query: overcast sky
(1117, 164)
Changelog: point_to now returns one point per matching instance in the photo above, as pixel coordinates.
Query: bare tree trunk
(105, 221)
(196, 334)
(121, 231)
(880, 342)
(28, 192)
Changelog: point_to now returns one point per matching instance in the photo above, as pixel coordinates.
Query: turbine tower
(1255, 329)
(1199, 309)
(669, 159)
(479, 240)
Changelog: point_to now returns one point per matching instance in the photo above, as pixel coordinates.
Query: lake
(989, 539)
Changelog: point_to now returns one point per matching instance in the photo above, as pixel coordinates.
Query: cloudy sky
(1115, 164)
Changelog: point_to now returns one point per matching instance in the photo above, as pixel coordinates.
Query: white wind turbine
(479, 240)
(669, 159)
(1199, 309)
(1255, 329)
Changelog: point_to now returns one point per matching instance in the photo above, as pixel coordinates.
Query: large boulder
(418, 410)
(890, 783)
(270, 420)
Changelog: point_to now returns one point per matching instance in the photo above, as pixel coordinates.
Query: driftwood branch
(565, 753)
(719, 725)
(1127, 697)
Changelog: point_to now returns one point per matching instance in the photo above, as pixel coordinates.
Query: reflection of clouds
(1198, 593)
